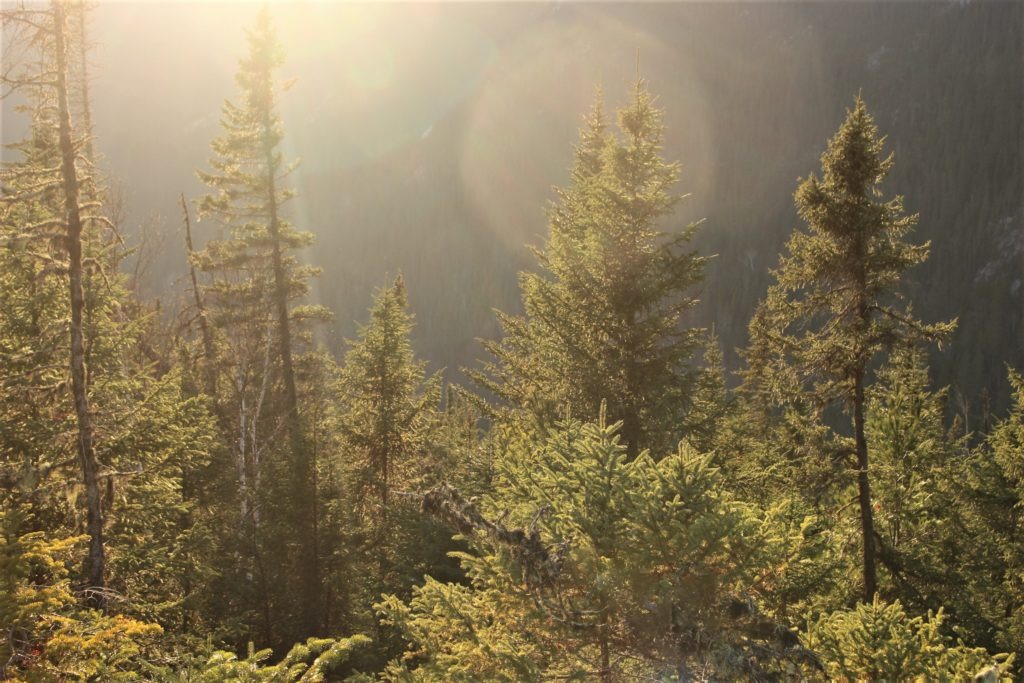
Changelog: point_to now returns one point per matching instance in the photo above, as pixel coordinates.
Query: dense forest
(784, 442)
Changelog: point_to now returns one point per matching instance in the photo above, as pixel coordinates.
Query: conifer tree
(48, 79)
(602, 318)
(48, 636)
(593, 565)
(877, 641)
(833, 309)
(257, 281)
(35, 407)
(388, 415)
(984, 526)
(387, 402)
(915, 458)
(148, 437)
(1005, 469)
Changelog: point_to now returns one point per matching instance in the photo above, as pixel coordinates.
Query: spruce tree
(589, 564)
(257, 281)
(387, 419)
(602, 318)
(387, 401)
(1005, 466)
(877, 641)
(147, 438)
(48, 34)
(834, 308)
(915, 456)
(984, 524)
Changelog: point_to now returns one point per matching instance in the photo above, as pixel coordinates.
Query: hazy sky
(431, 134)
(369, 79)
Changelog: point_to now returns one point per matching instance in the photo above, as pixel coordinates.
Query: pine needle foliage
(835, 308)
(880, 642)
(603, 317)
(590, 564)
(254, 300)
(388, 403)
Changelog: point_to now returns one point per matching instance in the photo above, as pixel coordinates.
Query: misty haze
(511, 341)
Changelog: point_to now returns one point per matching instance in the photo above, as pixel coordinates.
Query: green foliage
(47, 636)
(602, 319)
(585, 551)
(247, 192)
(880, 642)
(985, 527)
(916, 458)
(1007, 459)
(831, 312)
(610, 565)
(388, 408)
(159, 526)
(36, 410)
(387, 421)
(147, 437)
(259, 323)
(309, 662)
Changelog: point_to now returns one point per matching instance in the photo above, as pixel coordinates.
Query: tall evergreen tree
(257, 281)
(602, 319)
(148, 438)
(388, 417)
(833, 309)
(48, 33)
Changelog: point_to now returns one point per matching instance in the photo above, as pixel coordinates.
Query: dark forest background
(482, 106)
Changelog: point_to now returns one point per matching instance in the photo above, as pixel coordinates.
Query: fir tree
(594, 565)
(914, 458)
(53, 175)
(387, 418)
(984, 526)
(387, 402)
(603, 317)
(832, 310)
(149, 438)
(1006, 467)
(879, 642)
(257, 281)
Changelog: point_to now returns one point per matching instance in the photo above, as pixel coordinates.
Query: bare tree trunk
(83, 52)
(606, 659)
(204, 328)
(94, 516)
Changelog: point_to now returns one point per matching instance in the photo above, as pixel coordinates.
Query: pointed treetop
(853, 161)
(390, 301)
(265, 55)
(642, 119)
(593, 140)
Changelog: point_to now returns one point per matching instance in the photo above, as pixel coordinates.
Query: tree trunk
(204, 327)
(606, 659)
(94, 512)
(864, 490)
(302, 465)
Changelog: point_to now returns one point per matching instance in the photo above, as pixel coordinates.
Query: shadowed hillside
(449, 183)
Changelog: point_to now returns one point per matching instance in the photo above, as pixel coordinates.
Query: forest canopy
(198, 486)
